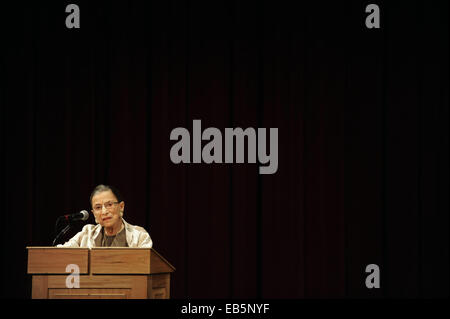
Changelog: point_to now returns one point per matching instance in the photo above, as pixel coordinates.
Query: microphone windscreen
(85, 215)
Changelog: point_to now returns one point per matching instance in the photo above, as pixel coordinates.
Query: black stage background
(363, 139)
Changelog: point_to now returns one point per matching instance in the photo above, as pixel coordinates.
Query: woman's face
(106, 209)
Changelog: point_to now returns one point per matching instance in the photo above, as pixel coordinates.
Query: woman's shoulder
(134, 227)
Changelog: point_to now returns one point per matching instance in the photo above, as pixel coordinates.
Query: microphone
(83, 215)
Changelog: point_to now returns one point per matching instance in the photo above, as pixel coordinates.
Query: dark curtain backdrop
(363, 139)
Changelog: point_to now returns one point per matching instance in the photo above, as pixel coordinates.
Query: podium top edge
(53, 247)
(93, 248)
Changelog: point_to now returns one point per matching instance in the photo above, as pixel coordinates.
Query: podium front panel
(120, 261)
(52, 260)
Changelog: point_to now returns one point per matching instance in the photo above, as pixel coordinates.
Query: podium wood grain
(55, 260)
(120, 261)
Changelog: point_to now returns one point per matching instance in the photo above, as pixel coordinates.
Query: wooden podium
(104, 273)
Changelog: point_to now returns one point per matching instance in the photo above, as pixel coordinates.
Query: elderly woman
(111, 229)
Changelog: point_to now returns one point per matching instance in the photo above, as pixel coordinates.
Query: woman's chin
(108, 223)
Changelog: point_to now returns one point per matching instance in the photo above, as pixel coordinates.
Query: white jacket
(137, 237)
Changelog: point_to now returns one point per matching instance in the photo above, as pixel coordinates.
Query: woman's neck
(111, 231)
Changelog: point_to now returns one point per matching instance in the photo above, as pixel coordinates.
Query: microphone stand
(61, 233)
(65, 229)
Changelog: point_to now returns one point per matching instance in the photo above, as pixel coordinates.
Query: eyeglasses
(108, 205)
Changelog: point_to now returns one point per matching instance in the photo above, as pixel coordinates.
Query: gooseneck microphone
(83, 215)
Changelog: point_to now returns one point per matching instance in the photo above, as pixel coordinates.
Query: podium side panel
(159, 264)
(159, 286)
